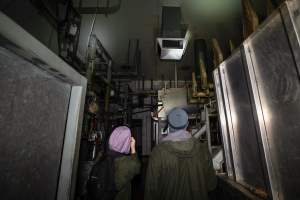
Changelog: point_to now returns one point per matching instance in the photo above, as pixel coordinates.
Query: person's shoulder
(127, 160)
(159, 149)
(200, 145)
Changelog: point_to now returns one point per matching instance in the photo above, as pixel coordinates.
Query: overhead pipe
(201, 94)
(203, 74)
(200, 132)
(270, 7)
(232, 46)
(200, 59)
(250, 18)
(100, 10)
(217, 52)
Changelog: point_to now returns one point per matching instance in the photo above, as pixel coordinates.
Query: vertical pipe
(208, 129)
(151, 84)
(91, 54)
(195, 87)
(176, 79)
(143, 83)
(106, 107)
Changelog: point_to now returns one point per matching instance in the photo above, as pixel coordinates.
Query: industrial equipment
(174, 38)
(258, 94)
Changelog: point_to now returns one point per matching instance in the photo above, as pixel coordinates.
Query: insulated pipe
(197, 94)
(203, 74)
(250, 18)
(200, 49)
(270, 7)
(195, 86)
(91, 54)
(218, 55)
(232, 46)
(202, 94)
(198, 134)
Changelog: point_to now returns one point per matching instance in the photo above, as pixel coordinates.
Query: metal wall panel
(41, 114)
(223, 124)
(33, 114)
(273, 59)
(244, 137)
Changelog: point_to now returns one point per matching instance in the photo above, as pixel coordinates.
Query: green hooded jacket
(126, 167)
(180, 171)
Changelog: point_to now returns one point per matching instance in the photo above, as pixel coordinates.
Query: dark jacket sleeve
(127, 169)
(209, 172)
(152, 176)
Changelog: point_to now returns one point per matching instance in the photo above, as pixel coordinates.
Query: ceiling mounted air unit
(172, 43)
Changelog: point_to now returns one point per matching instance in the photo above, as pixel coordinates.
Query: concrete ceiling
(139, 19)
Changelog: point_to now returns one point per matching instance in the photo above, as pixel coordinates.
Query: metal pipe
(109, 73)
(208, 134)
(195, 86)
(100, 10)
(176, 78)
(91, 54)
(138, 112)
(200, 132)
(203, 74)
(217, 52)
(143, 83)
(92, 28)
(202, 94)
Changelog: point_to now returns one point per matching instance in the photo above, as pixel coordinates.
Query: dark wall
(33, 21)
(141, 19)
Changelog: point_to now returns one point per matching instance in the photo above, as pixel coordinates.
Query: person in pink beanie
(127, 164)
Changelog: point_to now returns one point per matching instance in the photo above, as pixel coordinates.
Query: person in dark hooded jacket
(180, 168)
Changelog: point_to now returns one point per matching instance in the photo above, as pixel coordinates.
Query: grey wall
(140, 19)
(136, 19)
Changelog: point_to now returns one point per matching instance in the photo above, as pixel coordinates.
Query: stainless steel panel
(273, 60)
(244, 137)
(223, 124)
(54, 77)
(290, 12)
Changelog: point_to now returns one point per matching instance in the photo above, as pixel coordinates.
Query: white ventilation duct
(172, 43)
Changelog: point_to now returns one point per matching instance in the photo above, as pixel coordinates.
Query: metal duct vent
(174, 37)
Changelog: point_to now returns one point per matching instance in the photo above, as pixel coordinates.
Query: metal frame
(290, 12)
(17, 40)
(272, 177)
(237, 123)
(229, 121)
(223, 124)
